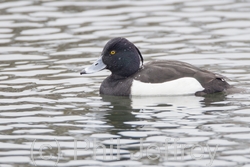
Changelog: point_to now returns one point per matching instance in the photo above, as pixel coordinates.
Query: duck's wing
(168, 70)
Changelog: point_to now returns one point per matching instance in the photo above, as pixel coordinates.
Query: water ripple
(45, 101)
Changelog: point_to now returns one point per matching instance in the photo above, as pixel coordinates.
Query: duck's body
(161, 77)
(165, 77)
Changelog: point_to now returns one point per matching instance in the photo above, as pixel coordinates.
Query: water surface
(50, 115)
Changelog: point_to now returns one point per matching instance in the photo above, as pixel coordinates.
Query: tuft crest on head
(122, 56)
(120, 44)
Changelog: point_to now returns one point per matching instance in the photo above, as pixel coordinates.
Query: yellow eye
(112, 52)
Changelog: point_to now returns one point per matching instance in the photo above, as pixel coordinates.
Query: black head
(121, 57)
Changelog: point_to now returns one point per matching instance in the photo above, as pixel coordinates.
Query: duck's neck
(117, 77)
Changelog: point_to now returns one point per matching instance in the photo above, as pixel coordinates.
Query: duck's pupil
(96, 64)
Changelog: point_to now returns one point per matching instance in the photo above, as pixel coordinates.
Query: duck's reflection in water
(120, 111)
(124, 109)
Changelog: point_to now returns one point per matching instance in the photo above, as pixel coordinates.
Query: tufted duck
(129, 76)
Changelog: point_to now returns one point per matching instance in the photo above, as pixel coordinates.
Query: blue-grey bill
(97, 66)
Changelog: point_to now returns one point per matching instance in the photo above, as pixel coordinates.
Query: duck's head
(120, 56)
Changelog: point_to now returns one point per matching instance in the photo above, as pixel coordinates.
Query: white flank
(182, 86)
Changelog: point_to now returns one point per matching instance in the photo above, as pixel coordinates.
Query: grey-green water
(49, 113)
